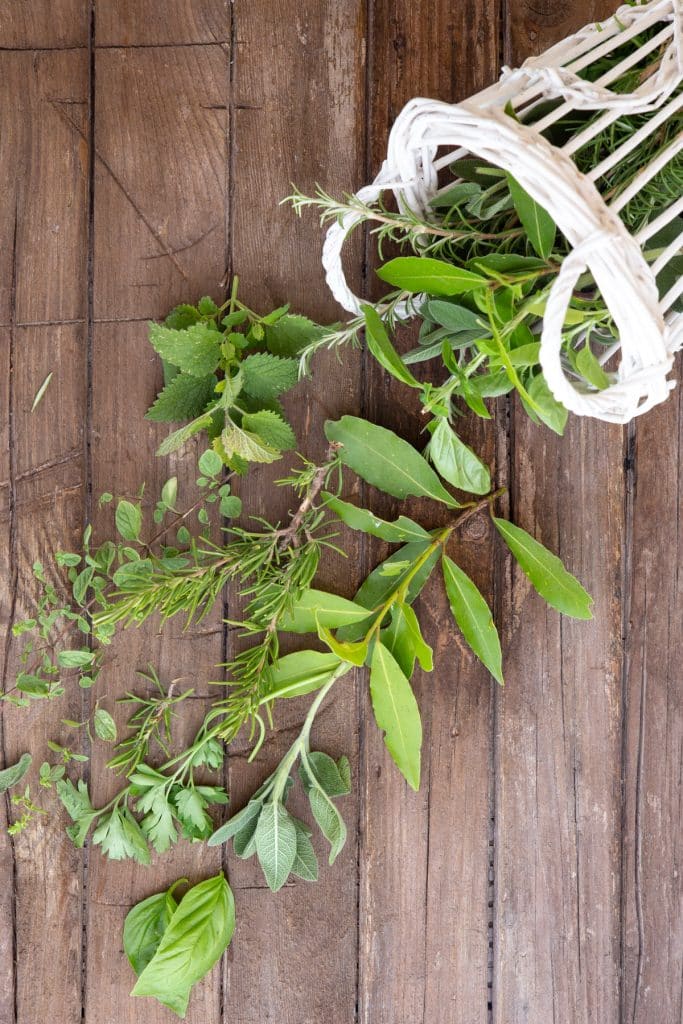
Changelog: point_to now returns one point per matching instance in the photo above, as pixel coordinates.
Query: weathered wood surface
(535, 877)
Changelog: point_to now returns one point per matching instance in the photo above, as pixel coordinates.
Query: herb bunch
(475, 272)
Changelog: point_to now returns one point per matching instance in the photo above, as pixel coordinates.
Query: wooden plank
(160, 180)
(42, 494)
(160, 174)
(300, 122)
(44, 24)
(47, 201)
(558, 722)
(148, 23)
(652, 832)
(425, 857)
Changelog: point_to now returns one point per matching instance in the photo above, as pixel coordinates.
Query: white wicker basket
(429, 135)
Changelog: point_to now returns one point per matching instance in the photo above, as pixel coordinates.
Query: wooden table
(534, 878)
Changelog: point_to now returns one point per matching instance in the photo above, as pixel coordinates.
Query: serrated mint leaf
(181, 317)
(266, 376)
(546, 572)
(385, 460)
(271, 428)
(250, 447)
(289, 335)
(473, 616)
(180, 437)
(195, 350)
(184, 398)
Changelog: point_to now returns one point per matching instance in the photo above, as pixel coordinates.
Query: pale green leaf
(275, 844)
(300, 673)
(195, 350)
(128, 520)
(15, 773)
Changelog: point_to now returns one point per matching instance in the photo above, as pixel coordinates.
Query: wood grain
(558, 722)
(146, 207)
(424, 911)
(652, 953)
(536, 875)
(42, 487)
(160, 180)
(148, 23)
(315, 56)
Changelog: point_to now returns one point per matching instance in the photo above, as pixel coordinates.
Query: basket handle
(583, 95)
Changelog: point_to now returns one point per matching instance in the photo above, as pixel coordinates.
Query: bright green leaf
(401, 531)
(456, 462)
(425, 274)
(385, 460)
(396, 713)
(473, 616)
(380, 345)
(546, 572)
(537, 222)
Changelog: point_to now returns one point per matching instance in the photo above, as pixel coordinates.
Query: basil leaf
(473, 616)
(398, 532)
(425, 274)
(546, 572)
(11, 776)
(300, 673)
(197, 935)
(537, 222)
(456, 462)
(317, 607)
(385, 460)
(144, 928)
(396, 713)
(275, 844)
(378, 342)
